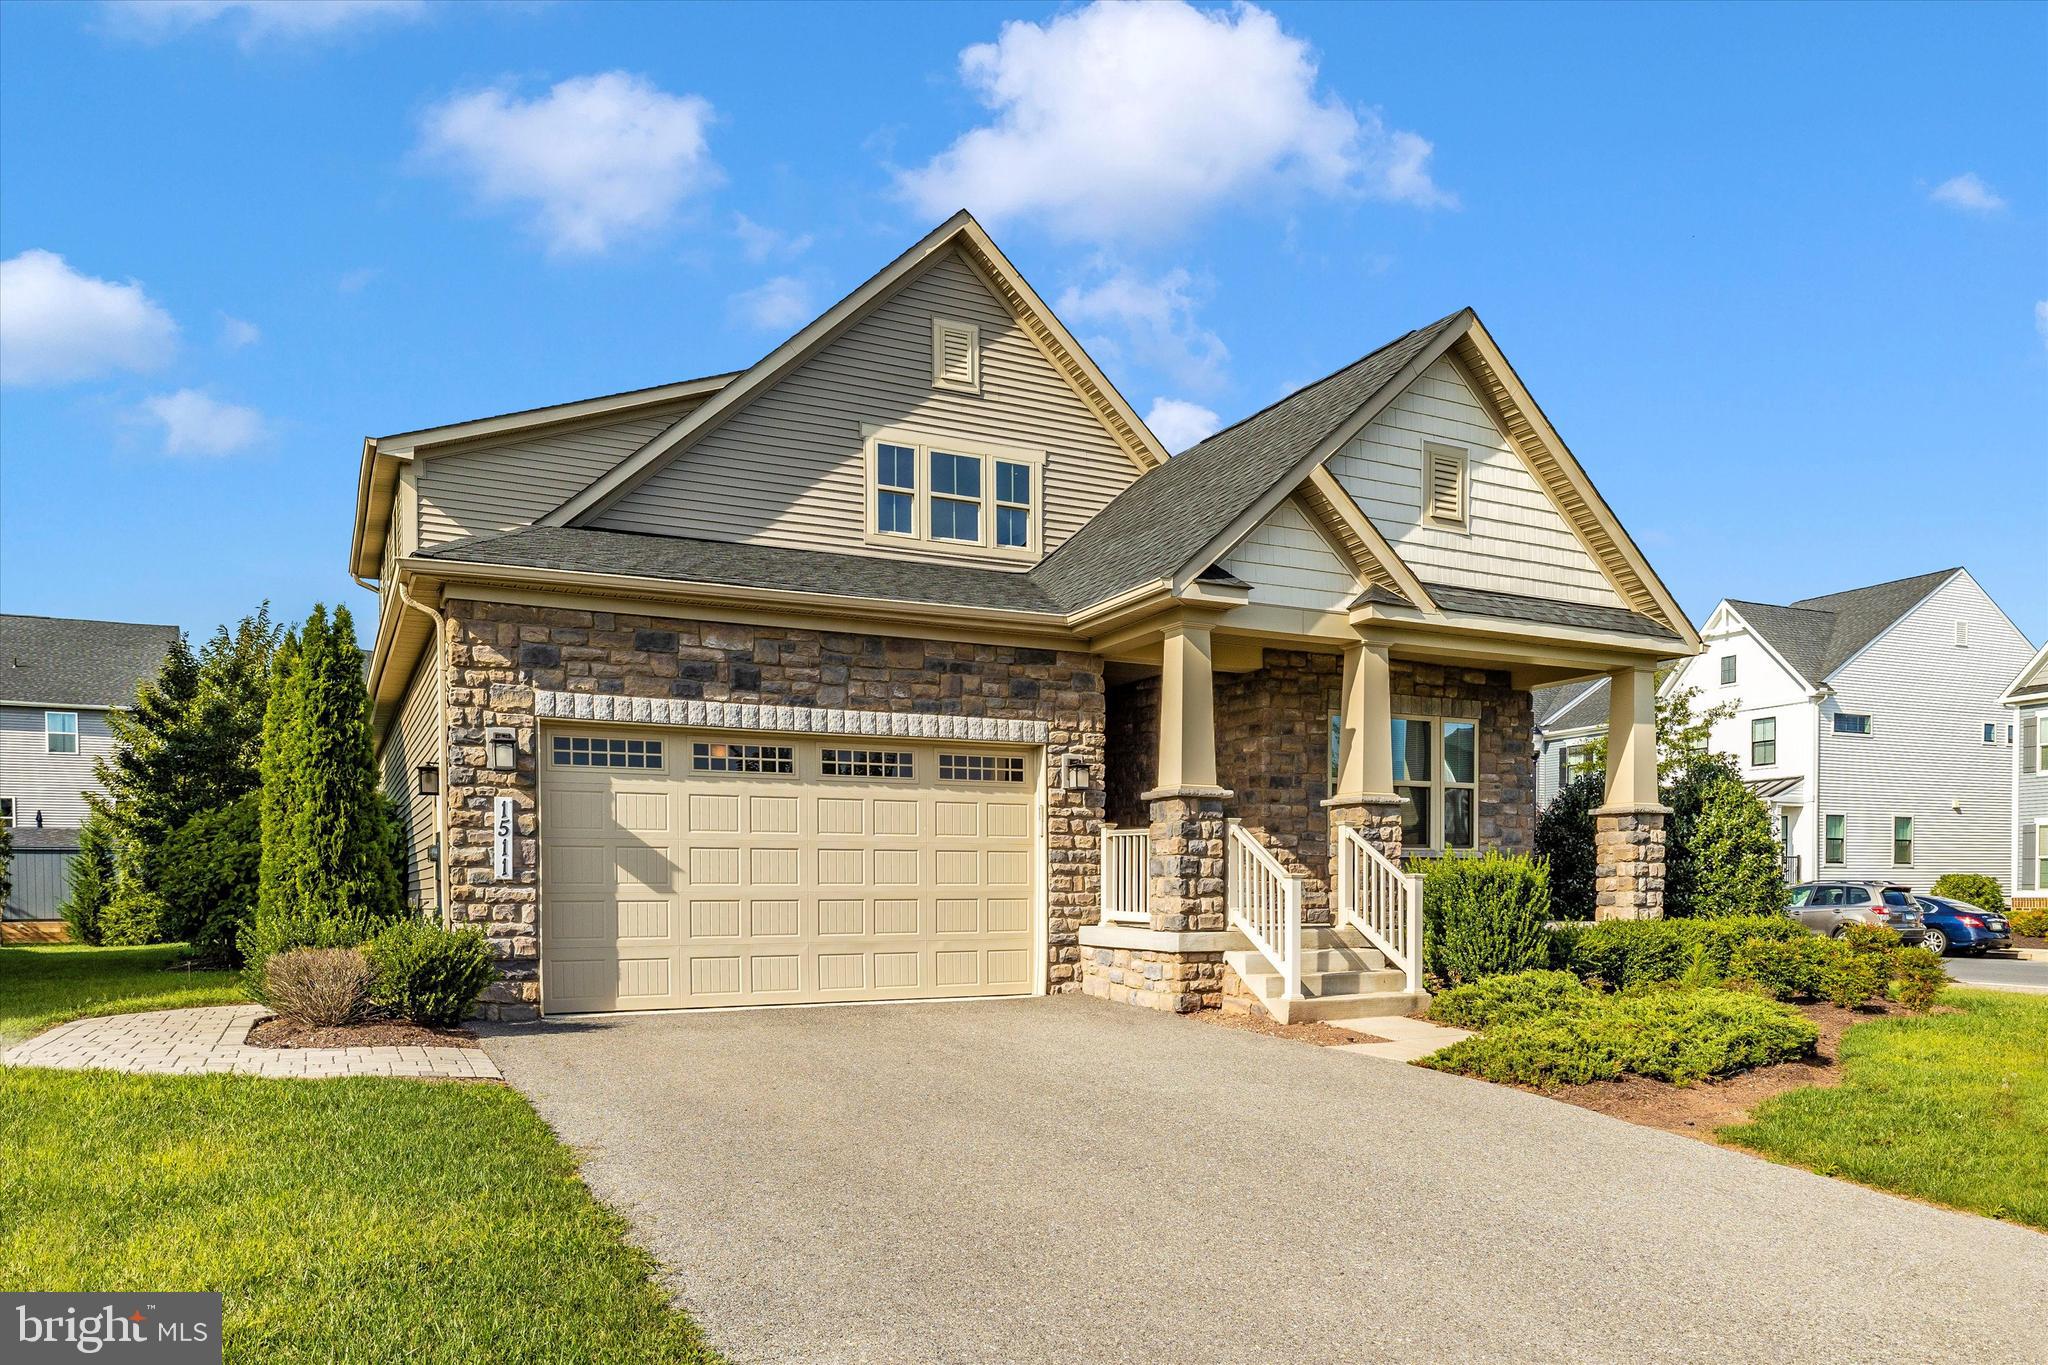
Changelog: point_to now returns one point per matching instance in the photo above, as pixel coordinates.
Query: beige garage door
(682, 869)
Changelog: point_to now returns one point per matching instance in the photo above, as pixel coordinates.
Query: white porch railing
(1264, 900)
(1381, 901)
(1126, 867)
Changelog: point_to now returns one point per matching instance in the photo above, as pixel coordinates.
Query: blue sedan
(1959, 927)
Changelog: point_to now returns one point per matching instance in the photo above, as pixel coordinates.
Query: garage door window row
(981, 768)
(743, 758)
(868, 763)
(579, 751)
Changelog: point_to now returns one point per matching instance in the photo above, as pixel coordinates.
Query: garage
(686, 869)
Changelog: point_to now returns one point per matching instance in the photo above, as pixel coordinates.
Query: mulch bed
(276, 1032)
(1315, 1033)
(1698, 1109)
(2023, 941)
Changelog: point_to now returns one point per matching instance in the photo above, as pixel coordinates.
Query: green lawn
(1950, 1108)
(345, 1221)
(47, 984)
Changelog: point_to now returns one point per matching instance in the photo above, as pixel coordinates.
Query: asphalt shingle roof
(1155, 526)
(56, 661)
(1817, 635)
(1544, 610)
(732, 564)
(1570, 705)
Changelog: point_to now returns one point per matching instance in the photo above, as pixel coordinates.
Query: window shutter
(1444, 484)
(956, 355)
(2029, 856)
(2030, 745)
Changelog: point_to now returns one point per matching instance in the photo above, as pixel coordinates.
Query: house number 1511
(504, 824)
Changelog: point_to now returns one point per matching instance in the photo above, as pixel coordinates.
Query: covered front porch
(1264, 789)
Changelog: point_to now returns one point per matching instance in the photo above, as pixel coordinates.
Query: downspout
(441, 748)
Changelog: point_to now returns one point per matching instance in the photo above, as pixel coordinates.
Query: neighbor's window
(1902, 840)
(6, 810)
(1847, 724)
(1836, 844)
(953, 494)
(1727, 670)
(1763, 741)
(1990, 733)
(2041, 853)
(60, 731)
(1436, 775)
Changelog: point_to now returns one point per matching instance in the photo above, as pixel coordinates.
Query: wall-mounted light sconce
(501, 744)
(429, 779)
(1073, 773)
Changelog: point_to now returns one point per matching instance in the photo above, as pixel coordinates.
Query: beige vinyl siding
(1925, 756)
(1289, 564)
(414, 738)
(505, 483)
(1516, 540)
(788, 468)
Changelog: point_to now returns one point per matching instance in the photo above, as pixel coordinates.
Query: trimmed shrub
(1848, 971)
(1783, 969)
(206, 873)
(1509, 999)
(430, 975)
(1484, 916)
(317, 987)
(1564, 840)
(1849, 978)
(1869, 938)
(1548, 1051)
(132, 918)
(1623, 953)
(1737, 865)
(1972, 888)
(261, 939)
(1686, 1036)
(2029, 923)
(1917, 976)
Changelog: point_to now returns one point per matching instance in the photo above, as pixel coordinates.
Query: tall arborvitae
(283, 739)
(341, 813)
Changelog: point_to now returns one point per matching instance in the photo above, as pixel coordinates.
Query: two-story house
(58, 680)
(2028, 700)
(903, 663)
(1869, 721)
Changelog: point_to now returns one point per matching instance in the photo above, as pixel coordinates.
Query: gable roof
(60, 661)
(1569, 706)
(960, 231)
(1160, 525)
(2032, 682)
(1817, 635)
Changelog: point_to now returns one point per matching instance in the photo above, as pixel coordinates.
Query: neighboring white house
(58, 680)
(2028, 698)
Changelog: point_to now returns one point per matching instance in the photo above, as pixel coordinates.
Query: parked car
(1959, 927)
(1831, 907)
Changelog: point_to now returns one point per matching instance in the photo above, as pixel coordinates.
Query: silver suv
(1831, 907)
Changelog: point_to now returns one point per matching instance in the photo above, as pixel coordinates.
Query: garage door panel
(875, 877)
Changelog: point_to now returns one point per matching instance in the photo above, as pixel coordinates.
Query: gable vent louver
(1444, 484)
(956, 355)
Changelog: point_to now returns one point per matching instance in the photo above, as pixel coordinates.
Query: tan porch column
(1365, 796)
(1629, 828)
(1187, 805)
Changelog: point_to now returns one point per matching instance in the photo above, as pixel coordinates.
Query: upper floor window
(1990, 733)
(1727, 670)
(953, 494)
(1847, 723)
(1763, 741)
(60, 731)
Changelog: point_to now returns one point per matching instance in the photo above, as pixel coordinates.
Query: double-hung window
(1436, 775)
(953, 495)
(1763, 741)
(60, 732)
(1835, 840)
(1902, 841)
(1727, 670)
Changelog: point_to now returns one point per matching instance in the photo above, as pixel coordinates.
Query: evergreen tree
(1737, 867)
(91, 879)
(1564, 838)
(283, 747)
(341, 816)
(6, 859)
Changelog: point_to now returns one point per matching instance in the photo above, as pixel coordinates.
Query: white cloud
(235, 333)
(57, 325)
(2041, 320)
(1120, 119)
(1181, 424)
(759, 242)
(781, 305)
(357, 280)
(253, 22)
(1967, 192)
(1158, 318)
(596, 158)
(195, 424)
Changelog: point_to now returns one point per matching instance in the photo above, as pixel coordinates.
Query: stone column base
(1179, 983)
(1186, 869)
(1629, 861)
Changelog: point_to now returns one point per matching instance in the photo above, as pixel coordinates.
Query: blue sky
(1779, 275)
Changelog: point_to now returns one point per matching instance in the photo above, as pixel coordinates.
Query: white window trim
(920, 537)
(1438, 784)
(1912, 841)
(1463, 522)
(2040, 853)
(1992, 726)
(941, 326)
(1826, 861)
(1835, 721)
(1753, 722)
(72, 733)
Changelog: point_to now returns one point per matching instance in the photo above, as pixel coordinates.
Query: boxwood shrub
(430, 975)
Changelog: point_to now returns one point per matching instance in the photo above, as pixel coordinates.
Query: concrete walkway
(1402, 1039)
(1069, 1180)
(210, 1040)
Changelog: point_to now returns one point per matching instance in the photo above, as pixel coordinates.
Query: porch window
(1436, 775)
(1902, 841)
(1835, 845)
(1763, 741)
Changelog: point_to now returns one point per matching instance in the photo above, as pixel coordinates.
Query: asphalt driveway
(1067, 1180)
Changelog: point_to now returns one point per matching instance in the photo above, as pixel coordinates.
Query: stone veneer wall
(1133, 739)
(499, 654)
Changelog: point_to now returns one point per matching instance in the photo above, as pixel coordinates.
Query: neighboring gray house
(1568, 718)
(58, 680)
(2028, 697)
